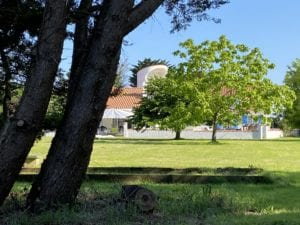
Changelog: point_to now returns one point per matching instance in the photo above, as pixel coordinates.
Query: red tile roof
(127, 98)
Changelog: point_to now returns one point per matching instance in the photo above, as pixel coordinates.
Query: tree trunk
(214, 130)
(81, 42)
(19, 132)
(7, 86)
(62, 172)
(177, 135)
(144, 199)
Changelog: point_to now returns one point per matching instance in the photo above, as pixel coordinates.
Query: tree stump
(144, 199)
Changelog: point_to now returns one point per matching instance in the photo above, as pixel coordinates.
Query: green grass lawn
(276, 155)
(225, 204)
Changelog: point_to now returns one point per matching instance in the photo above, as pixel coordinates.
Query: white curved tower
(144, 74)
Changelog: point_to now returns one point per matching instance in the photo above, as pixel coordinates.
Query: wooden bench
(31, 161)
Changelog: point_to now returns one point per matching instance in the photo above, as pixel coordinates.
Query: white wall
(263, 133)
(188, 134)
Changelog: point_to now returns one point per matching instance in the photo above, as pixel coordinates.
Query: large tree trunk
(177, 135)
(81, 43)
(19, 132)
(62, 172)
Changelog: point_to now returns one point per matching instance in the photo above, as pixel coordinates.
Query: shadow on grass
(168, 175)
(293, 139)
(182, 171)
(157, 141)
(216, 204)
(184, 141)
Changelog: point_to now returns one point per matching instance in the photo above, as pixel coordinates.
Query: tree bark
(7, 86)
(19, 132)
(81, 42)
(177, 135)
(63, 170)
(214, 129)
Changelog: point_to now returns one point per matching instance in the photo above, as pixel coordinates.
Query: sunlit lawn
(227, 204)
(276, 155)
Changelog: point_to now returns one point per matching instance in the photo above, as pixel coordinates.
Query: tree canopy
(19, 24)
(171, 103)
(225, 81)
(233, 78)
(292, 79)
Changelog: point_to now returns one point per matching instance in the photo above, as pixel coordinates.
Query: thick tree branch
(140, 12)
(90, 11)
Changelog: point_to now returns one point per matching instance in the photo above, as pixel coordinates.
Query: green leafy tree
(233, 78)
(19, 24)
(57, 102)
(171, 103)
(292, 79)
(142, 64)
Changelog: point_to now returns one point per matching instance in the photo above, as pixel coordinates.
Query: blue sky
(271, 25)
